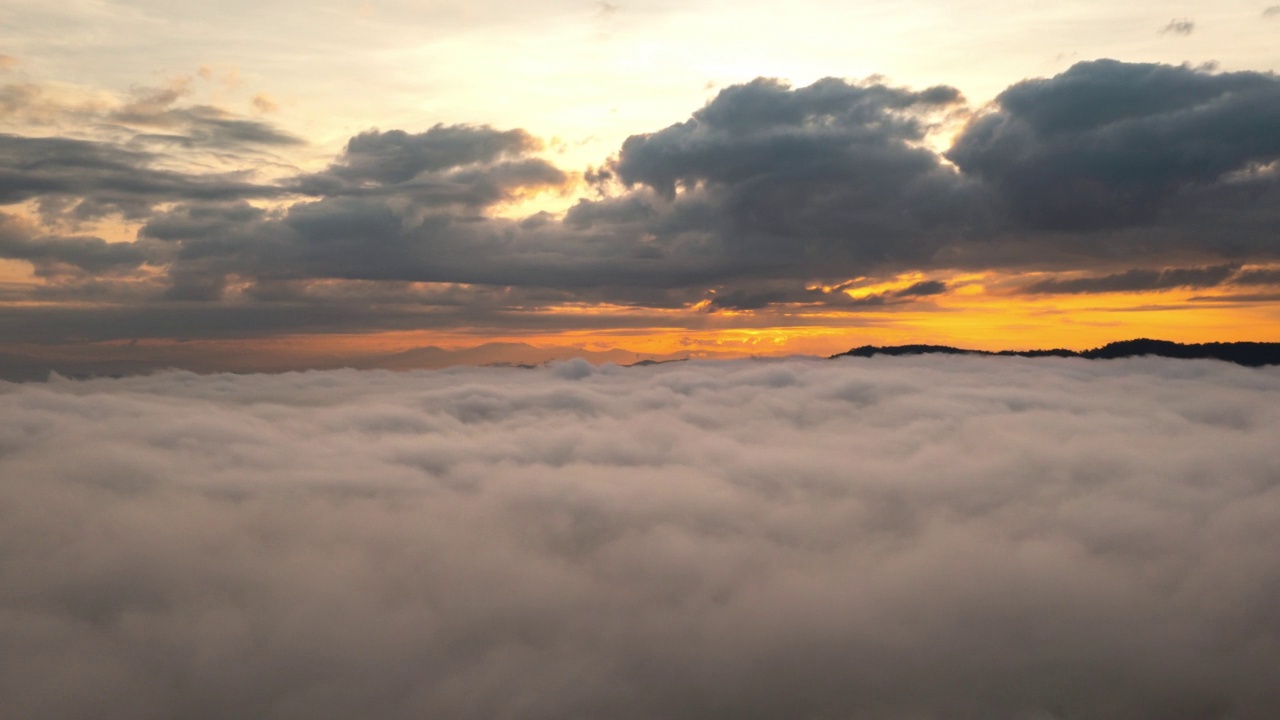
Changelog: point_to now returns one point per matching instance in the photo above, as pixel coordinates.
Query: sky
(277, 185)
(943, 538)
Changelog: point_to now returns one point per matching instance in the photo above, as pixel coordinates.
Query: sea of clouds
(882, 539)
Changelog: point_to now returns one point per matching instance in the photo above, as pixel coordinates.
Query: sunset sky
(272, 185)
(529, 208)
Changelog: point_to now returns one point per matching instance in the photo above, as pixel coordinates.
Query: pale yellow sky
(586, 74)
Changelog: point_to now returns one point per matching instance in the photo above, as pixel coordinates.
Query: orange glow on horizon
(979, 311)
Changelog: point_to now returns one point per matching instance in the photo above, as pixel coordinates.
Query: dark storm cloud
(1138, 280)
(942, 538)
(1111, 145)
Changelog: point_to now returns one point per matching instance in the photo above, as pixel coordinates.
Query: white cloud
(869, 538)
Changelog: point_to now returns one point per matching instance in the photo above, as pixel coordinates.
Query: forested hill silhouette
(1252, 354)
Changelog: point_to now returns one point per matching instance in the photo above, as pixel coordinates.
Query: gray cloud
(15, 97)
(457, 166)
(922, 288)
(395, 156)
(1257, 277)
(762, 192)
(81, 179)
(213, 128)
(181, 312)
(776, 183)
(197, 125)
(755, 295)
(1109, 144)
(204, 220)
(784, 130)
(828, 176)
(1138, 280)
(86, 253)
(769, 182)
(951, 538)
(1179, 26)
(1241, 299)
(394, 206)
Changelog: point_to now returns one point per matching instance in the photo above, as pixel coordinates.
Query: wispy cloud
(1137, 280)
(1179, 26)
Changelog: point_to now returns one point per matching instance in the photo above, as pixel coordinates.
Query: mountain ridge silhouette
(1250, 354)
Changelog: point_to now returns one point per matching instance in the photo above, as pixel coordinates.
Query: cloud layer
(873, 538)
(1110, 177)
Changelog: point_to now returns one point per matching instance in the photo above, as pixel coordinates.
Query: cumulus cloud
(763, 194)
(781, 183)
(777, 184)
(825, 178)
(394, 206)
(396, 156)
(1109, 145)
(875, 538)
(770, 182)
(1179, 26)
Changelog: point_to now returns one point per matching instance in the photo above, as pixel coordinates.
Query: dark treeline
(1252, 354)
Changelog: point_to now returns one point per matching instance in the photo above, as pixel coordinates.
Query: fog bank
(880, 538)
